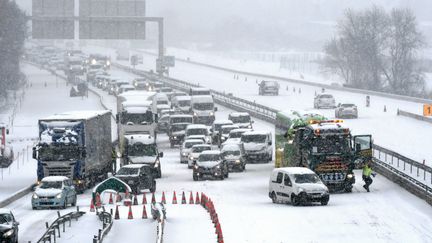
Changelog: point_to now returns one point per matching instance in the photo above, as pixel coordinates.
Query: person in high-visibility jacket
(367, 172)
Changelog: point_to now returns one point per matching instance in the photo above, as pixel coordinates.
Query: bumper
(232, 165)
(256, 157)
(47, 203)
(201, 172)
(314, 197)
(348, 114)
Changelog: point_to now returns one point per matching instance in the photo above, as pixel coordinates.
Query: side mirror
(7, 131)
(269, 142)
(161, 154)
(215, 109)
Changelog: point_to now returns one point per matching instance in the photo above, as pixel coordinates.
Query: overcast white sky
(263, 24)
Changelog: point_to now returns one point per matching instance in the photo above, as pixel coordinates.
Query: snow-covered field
(387, 214)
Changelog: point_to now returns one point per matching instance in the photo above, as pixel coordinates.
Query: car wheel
(274, 197)
(348, 189)
(295, 200)
(34, 208)
(222, 177)
(226, 174)
(159, 173)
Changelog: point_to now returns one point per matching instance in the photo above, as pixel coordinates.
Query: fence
(107, 222)
(50, 233)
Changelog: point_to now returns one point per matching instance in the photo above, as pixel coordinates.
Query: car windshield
(59, 153)
(178, 127)
(200, 149)
(197, 131)
(331, 145)
(235, 134)
(136, 118)
(227, 130)
(253, 138)
(51, 184)
(5, 218)
(326, 97)
(240, 119)
(306, 178)
(208, 157)
(180, 119)
(140, 149)
(190, 144)
(128, 171)
(203, 106)
(183, 103)
(231, 152)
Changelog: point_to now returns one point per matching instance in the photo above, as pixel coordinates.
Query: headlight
(157, 164)
(174, 137)
(196, 167)
(237, 161)
(191, 157)
(35, 196)
(108, 63)
(59, 196)
(350, 176)
(223, 138)
(195, 114)
(184, 154)
(218, 167)
(249, 126)
(8, 233)
(211, 114)
(300, 189)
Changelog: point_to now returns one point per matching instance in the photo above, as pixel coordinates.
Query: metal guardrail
(50, 233)
(269, 114)
(107, 222)
(414, 116)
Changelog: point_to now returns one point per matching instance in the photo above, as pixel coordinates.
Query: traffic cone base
(130, 215)
(111, 199)
(174, 200)
(144, 213)
(197, 199)
(117, 215)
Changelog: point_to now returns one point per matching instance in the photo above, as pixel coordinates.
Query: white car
(297, 185)
(186, 147)
(241, 119)
(346, 111)
(198, 129)
(324, 101)
(195, 151)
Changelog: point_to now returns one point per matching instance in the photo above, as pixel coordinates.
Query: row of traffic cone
(207, 203)
(130, 214)
(98, 203)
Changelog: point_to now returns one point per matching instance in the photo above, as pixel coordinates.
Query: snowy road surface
(386, 214)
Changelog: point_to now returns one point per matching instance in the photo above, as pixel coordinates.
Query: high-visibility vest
(367, 171)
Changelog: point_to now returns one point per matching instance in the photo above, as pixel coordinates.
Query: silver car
(346, 111)
(324, 101)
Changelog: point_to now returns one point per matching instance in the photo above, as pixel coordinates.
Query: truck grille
(333, 177)
(59, 171)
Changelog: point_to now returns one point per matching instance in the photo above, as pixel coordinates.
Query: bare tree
(374, 50)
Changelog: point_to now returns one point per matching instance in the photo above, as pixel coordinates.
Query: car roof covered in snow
(200, 89)
(230, 147)
(238, 114)
(329, 126)
(55, 178)
(196, 126)
(140, 138)
(136, 93)
(230, 126)
(76, 115)
(136, 166)
(227, 122)
(136, 109)
(193, 140)
(181, 116)
(127, 86)
(210, 152)
(183, 97)
(294, 170)
(202, 146)
(202, 98)
(255, 133)
(243, 130)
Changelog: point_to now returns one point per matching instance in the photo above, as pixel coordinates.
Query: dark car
(177, 133)
(8, 227)
(139, 177)
(210, 163)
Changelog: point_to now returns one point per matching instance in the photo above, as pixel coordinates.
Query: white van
(202, 108)
(258, 146)
(297, 185)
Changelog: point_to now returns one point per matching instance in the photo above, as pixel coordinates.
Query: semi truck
(328, 148)
(77, 145)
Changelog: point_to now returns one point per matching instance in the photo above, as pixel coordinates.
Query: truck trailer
(77, 145)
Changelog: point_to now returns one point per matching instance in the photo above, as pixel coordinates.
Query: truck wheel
(274, 197)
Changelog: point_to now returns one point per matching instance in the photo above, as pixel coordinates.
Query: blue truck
(77, 145)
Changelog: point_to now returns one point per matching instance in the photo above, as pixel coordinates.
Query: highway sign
(53, 19)
(427, 110)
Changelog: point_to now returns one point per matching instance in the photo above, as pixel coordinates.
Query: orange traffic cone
(118, 197)
(130, 215)
(135, 201)
(174, 201)
(153, 200)
(117, 215)
(197, 199)
(144, 213)
(98, 200)
(92, 206)
(183, 198)
(111, 199)
(144, 200)
(191, 201)
(163, 198)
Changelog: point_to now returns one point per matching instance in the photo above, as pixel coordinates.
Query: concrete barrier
(414, 116)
